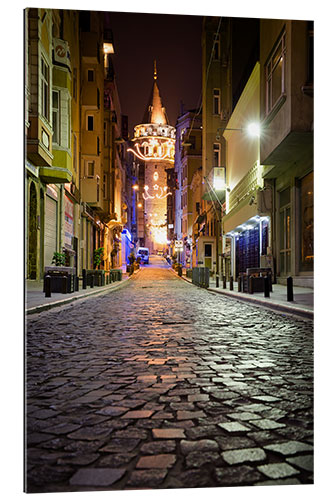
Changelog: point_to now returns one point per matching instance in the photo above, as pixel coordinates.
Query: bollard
(63, 284)
(266, 286)
(76, 283)
(290, 292)
(239, 283)
(231, 283)
(84, 279)
(217, 281)
(92, 281)
(251, 284)
(180, 271)
(224, 281)
(47, 285)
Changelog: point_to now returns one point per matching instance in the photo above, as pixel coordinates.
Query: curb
(297, 311)
(62, 302)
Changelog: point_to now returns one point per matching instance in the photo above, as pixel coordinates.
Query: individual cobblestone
(96, 477)
(303, 462)
(163, 385)
(162, 461)
(277, 470)
(244, 455)
(200, 445)
(289, 447)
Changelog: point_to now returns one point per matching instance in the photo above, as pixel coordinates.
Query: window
(45, 81)
(97, 188)
(75, 152)
(69, 121)
(91, 75)
(216, 101)
(105, 135)
(75, 84)
(285, 232)
(90, 122)
(56, 116)
(275, 74)
(217, 155)
(192, 141)
(306, 222)
(90, 169)
(310, 52)
(216, 48)
(98, 99)
(98, 150)
(104, 187)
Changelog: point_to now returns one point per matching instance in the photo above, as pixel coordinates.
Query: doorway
(208, 255)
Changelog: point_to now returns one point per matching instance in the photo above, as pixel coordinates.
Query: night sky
(175, 42)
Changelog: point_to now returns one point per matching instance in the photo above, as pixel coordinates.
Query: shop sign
(61, 52)
(69, 221)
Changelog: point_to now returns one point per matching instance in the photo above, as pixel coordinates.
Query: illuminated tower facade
(154, 149)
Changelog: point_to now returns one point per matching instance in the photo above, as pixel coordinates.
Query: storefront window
(285, 232)
(306, 221)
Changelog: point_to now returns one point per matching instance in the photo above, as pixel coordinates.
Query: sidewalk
(302, 305)
(35, 300)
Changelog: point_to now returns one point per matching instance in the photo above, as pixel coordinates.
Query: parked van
(144, 254)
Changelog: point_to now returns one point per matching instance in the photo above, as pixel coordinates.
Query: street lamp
(219, 185)
(253, 129)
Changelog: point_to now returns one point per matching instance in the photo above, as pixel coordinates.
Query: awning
(212, 195)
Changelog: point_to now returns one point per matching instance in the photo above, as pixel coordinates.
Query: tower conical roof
(155, 113)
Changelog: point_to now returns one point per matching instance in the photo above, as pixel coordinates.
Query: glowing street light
(253, 129)
(135, 187)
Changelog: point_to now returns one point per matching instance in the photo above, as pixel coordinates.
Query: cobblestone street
(161, 384)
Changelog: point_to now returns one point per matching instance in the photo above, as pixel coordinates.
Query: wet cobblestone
(164, 385)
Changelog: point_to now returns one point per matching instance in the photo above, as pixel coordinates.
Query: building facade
(246, 224)
(188, 160)
(49, 166)
(216, 109)
(73, 189)
(286, 146)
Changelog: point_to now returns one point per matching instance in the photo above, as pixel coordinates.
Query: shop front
(249, 245)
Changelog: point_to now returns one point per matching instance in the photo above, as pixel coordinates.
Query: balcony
(246, 186)
(39, 142)
(90, 48)
(55, 175)
(91, 193)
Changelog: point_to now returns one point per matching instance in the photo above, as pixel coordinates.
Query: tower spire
(155, 70)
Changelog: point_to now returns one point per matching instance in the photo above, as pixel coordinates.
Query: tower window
(216, 101)
(90, 122)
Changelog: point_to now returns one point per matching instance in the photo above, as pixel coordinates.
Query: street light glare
(253, 129)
